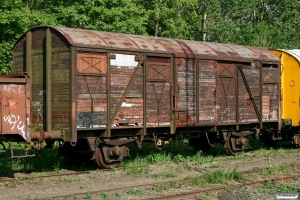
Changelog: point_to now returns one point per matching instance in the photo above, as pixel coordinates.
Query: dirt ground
(30, 186)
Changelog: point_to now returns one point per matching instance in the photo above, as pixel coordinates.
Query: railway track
(49, 175)
(194, 192)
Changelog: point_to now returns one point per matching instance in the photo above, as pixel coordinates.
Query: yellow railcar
(290, 93)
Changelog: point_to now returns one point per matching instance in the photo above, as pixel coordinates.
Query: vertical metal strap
(73, 69)
(48, 80)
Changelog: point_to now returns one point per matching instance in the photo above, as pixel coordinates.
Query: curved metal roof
(293, 52)
(181, 48)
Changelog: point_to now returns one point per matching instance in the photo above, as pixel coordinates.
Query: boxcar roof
(181, 48)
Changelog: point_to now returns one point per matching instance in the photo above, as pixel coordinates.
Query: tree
(173, 18)
(108, 15)
(15, 19)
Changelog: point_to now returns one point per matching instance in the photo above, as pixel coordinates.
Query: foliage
(266, 23)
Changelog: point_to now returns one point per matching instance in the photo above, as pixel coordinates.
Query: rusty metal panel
(200, 48)
(207, 92)
(91, 90)
(186, 100)
(158, 91)
(91, 63)
(13, 108)
(158, 99)
(264, 54)
(270, 93)
(147, 43)
(270, 102)
(126, 91)
(247, 101)
(82, 37)
(158, 68)
(244, 52)
(226, 92)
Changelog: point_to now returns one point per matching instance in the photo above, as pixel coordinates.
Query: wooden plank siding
(158, 91)
(207, 92)
(186, 101)
(131, 111)
(247, 111)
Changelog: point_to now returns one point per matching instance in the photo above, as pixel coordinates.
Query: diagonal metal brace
(125, 92)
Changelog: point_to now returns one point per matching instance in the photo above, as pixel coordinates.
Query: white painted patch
(123, 60)
(126, 104)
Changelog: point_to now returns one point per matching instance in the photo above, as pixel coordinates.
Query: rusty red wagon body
(97, 91)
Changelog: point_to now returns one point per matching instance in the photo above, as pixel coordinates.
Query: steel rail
(248, 184)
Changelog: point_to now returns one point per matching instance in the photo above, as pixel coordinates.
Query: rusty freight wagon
(98, 91)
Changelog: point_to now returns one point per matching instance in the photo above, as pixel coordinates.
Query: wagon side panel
(126, 85)
(186, 100)
(60, 77)
(158, 91)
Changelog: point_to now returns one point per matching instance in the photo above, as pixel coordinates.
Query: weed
(269, 170)
(161, 157)
(155, 176)
(88, 195)
(218, 176)
(188, 177)
(83, 187)
(105, 195)
(167, 186)
(146, 170)
(234, 175)
(118, 194)
(273, 188)
(112, 168)
(199, 158)
(134, 170)
(56, 169)
(178, 158)
(7, 183)
(134, 191)
(169, 175)
(169, 167)
(178, 168)
(67, 178)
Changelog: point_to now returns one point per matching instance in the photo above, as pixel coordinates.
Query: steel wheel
(101, 162)
(229, 148)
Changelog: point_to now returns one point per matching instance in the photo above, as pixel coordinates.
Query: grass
(217, 177)
(48, 161)
(134, 192)
(88, 195)
(273, 188)
(105, 195)
(67, 178)
(134, 170)
(167, 186)
(182, 154)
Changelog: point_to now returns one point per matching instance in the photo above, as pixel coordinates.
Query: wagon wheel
(101, 162)
(229, 146)
(2, 149)
(199, 145)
